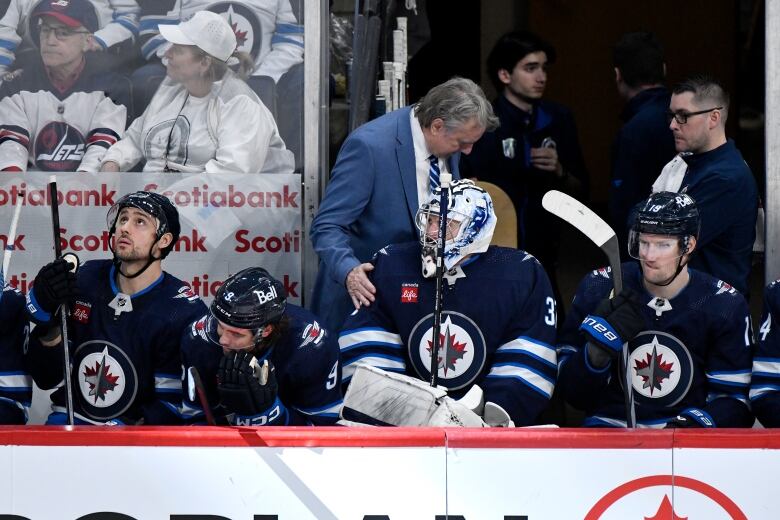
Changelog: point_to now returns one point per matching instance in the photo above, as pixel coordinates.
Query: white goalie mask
(470, 225)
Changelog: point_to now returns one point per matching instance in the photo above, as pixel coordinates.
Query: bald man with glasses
(710, 169)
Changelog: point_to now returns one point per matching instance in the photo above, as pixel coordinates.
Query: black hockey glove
(54, 285)
(691, 418)
(614, 322)
(240, 388)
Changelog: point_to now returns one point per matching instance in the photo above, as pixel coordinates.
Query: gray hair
(456, 102)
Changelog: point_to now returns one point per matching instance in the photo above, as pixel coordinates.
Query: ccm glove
(54, 285)
(241, 390)
(614, 322)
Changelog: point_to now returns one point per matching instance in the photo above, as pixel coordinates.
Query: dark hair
(640, 58)
(513, 47)
(706, 91)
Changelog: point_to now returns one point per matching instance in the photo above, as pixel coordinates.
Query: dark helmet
(665, 213)
(250, 299)
(155, 205)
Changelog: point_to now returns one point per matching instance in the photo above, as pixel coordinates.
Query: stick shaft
(441, 240)
(55, 221)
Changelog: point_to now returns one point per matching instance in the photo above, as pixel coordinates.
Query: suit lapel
(406, 164)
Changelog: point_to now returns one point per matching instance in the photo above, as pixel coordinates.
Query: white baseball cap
(206, 30)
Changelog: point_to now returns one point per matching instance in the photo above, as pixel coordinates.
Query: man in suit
(383, 170)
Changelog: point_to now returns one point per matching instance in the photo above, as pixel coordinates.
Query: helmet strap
(152, 259)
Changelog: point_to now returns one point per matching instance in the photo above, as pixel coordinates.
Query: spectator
(202, 118)
(115, 30)
(57, 114)
(251, 324)
(505, 348)
(270, 31)
(534, 150)
(382, 171)
(127, 321)
(688, 333)
(644, 144)
(15, 380)
(712, 171)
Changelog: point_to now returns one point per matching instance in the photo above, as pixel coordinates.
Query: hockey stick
(55, 221)
(10, 240)
(441, 239)
(195, 389)
(592, 226)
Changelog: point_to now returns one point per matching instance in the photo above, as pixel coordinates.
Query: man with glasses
(64, 110)
(711, 169)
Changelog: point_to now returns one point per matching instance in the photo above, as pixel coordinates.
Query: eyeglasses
(682, 117)
(59, 32)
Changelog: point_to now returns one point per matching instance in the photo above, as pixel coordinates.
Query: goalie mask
(665, 214)
(469, 228)
(157, 206)
(250, 299)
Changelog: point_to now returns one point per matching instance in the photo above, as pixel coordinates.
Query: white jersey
(229, 130)
(117, 22)
(265, 29)
(53, 134)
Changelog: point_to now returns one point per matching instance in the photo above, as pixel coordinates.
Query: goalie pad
(384, 398)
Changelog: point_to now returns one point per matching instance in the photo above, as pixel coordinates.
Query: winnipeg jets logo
(661, 368)
(99, 378)
(105, 378)
(462, 350)
(313, 333)
(723, 287)
(245, 25)
(59, 147)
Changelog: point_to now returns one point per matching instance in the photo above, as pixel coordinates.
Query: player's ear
(691, 245)
(267, 330)
(165, 240)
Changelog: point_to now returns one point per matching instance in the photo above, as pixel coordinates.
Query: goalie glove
(246, 388)
(614, 322)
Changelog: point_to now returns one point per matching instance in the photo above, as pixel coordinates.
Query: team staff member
(127, 318)
(263, 361)
(383, 171)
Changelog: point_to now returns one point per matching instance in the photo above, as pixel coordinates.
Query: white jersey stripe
(527, 375)
(537, 349)
(352, 339)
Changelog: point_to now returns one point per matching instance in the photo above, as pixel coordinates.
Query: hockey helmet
(250, 299)
(669, 214)
(154, 204)
(471, 221)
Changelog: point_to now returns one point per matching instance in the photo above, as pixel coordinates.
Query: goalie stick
(441, 240)
(592, 226)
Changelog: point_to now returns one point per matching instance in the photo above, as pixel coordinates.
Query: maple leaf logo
(666, 512)
(240, 35)
(100, 380)
(450, 350)
(653, 370)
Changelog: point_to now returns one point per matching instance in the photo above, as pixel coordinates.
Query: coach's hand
(359, 287)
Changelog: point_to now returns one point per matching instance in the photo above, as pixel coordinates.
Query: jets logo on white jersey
(462, 349)
(106, 379)
(59, 148)
(661, 368)
(245, 25)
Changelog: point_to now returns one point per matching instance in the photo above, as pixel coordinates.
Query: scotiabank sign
(229, 221)
(385, 474)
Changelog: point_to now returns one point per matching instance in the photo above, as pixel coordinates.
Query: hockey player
(63, 111)
(505, 347)
(689, 335)
(252, 330)
(765, 384)
(127, 318)
(15, 381)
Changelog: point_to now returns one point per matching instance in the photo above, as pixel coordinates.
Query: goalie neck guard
(470, 224)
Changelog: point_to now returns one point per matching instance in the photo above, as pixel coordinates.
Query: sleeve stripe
(289, 28)
(281, 39)
(7, 44)
(730, 378)
(538, 382)
(326, 410)
(166, 384)
(356, 338)
(766, 366)
(536, 349)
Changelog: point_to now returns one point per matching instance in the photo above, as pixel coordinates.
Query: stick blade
(578, 215)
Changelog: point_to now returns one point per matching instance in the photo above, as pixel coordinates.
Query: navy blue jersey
(765, 385)
(306, 362)
(125, 354)
(498, 324)
(694, 355)
(15, 382)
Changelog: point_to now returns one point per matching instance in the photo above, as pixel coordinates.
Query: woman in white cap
(203, 117)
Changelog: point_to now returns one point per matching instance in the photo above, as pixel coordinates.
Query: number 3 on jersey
(550, 316)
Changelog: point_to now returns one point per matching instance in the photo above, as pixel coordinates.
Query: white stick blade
(578, 215)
